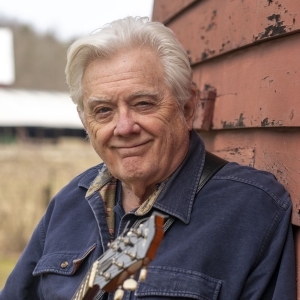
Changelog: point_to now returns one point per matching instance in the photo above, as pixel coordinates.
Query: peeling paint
(265, 123)
(244, 156)
(273, 30)
(223, 46)
(207, 53)
(207, 87)
(204, 56)
(210, 26)
(239, 123)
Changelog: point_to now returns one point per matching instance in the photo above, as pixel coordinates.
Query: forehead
(127, 70)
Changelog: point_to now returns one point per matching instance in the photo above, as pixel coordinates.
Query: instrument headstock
(126, 255)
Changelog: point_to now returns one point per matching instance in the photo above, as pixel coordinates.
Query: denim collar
(178, 194)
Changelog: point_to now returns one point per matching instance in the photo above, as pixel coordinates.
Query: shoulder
(241, 199)
(81, 181)
(86, 178)
(248, 181)
(73, 194)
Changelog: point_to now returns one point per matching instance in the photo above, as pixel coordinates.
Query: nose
(126, 124)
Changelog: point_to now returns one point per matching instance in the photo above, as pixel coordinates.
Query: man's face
(133, 120)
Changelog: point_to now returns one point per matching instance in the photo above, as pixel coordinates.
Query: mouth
(130, 146)
(132, 149)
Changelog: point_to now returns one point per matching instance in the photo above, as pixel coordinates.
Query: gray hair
(129, 33)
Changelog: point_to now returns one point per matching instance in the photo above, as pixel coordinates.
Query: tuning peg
(132, 255)
(119, 264)
(130, 284)
(139, 232)
(119, 294)
(143, 274)
(127, 241)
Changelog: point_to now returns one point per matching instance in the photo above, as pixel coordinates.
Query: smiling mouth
(132, 150)
(131, 146)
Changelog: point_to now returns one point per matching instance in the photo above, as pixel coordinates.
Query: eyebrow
(92, 100)
(144, 93)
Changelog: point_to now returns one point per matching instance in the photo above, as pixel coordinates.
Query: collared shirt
(232, 240)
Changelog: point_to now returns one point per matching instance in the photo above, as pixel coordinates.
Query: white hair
(126, 34)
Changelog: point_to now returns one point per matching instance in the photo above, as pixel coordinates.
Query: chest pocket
(170, 283)
(64, 263)
(60, 274)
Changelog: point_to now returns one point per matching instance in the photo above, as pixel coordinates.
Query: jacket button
(64, 264)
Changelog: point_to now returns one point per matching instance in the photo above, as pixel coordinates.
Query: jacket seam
(42, 234)
(268, 237)
(97, 196)
(285, 204)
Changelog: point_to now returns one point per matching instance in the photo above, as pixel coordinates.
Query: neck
(132, 198)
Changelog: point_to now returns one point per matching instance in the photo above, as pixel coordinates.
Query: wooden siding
(163, 11)
(213, 27)
(256, 87)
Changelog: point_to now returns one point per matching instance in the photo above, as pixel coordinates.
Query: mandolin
(117, 267)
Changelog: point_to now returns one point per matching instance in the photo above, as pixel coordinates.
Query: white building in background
(28, 108)
(7, 65)
(26, 114)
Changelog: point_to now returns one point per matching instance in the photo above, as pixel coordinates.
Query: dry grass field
(6, 265)
(30, 175)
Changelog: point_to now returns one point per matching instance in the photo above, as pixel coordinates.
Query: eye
(102, 112)
(143, 105)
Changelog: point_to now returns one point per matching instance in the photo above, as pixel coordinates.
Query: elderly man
(132, 84)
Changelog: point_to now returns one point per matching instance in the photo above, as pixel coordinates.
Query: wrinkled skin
(134, 122)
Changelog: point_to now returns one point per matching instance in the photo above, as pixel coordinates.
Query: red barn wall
(245, 55)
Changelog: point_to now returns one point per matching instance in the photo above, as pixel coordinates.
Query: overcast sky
(71, 18)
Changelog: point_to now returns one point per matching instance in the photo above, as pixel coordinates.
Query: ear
(190, 107)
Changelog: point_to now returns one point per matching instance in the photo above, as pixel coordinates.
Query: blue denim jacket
(232, 240)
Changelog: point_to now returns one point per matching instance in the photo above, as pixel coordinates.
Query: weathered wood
(256, 87)
(276, 151)
(244, 156)
(214, 27)
(164, 10)
(204, 116)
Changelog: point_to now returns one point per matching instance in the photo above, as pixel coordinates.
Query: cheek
(97, 136)
(95, 130)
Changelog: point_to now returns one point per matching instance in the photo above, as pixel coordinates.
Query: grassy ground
(6, 265)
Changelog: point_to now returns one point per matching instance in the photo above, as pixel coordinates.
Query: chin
(133, 174)
(130, 176)
(132, 169)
